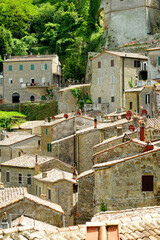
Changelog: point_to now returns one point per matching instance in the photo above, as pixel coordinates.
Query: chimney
(102, 231)
(142, 137)
(44, 174)
(95, 123)
(37, 167)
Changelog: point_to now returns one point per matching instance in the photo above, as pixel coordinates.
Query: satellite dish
(129, 113)
(132, 128)
(144, 112)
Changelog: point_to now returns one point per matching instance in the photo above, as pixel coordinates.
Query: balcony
(35, 85)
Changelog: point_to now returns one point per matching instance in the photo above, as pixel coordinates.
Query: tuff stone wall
(38, 211)
(152, 134)
(112, 142)
(117, 152)
(120, 185)
(61, 194)
(85, 198)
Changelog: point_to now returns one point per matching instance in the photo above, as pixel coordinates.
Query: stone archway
(15, 97)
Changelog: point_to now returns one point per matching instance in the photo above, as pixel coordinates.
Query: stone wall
(112, 142)
(38, 211)
(120, 185)
(28, 146)
(14, 171)
(122, 150)
(61, 194)
(152, 134)
(85, 205)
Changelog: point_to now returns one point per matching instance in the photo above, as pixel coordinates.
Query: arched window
(15, 97)
(32, 98)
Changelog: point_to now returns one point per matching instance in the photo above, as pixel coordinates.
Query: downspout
(123, 83)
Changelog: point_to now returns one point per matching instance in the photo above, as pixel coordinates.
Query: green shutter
(49, 147)
(10, 68)
(46, 131)
(46, 66)
(32, 66)
(21, 67)
(159, 61)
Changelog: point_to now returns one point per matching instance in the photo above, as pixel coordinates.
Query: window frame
(7, 176)
(112, 63)
(137, 63)
(49, 147)
(29, 181)
(10, 68)
(39, 191)
(99, 100)
(147, 183)
(112, 99)
(99, 81)
(99, 64)
(21, 67)
(147, 98)
(130, 105)
(49, 194)
(20, 178)
(10, 80)
(32, 66)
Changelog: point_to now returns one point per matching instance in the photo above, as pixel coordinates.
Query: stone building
(154, 63)
(139, 98)
(67, 102)
(26, 78)
(57, 186)
(128, 182)
(17, 144)
(128, 21)
(16, 201)
(19, 172)
(111, 74)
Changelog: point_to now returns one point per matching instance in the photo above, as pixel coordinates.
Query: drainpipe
(123, 81)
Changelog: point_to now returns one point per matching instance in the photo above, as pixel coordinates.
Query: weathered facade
(130, 20)
(57, 186)
(111, 73)
(139, 98)
(154, 63)
(26, 78)
(67, 102)
(128, 183)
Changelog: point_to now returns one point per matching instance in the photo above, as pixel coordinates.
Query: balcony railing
(36, 84)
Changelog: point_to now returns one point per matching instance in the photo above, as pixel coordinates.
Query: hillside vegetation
(68, 28)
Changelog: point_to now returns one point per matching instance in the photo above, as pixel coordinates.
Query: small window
(7, 176)
(20, 67)
(49, 194)
(1, 81)
(159, 61)
(21, 80)
(99, 100)
(43, 81)
(36, 190)
(10, 67)
(130, 105)
(39, 191)
(147, 183)
(112, 99)
(0, 153)
(46, 131)
(10, 81)
(39, 142)
(44, 66)
(29, 179)
(137, 63)
(49, 147)
(99, 81)
(20, 178)
(112, 79)
(147, 99)
(32, 66)
(99, 64)
(139, 83)
(112, 63)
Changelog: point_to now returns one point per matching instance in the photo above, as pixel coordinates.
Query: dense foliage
(8, 119)
(69, 28)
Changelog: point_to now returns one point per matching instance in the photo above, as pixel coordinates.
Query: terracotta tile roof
(15, 139)
(123, 54)
(153, 122)
(9, 196)
(135, 89)
(30, 124)
(86, 173)
(55, 175)
(153, 49)
(27, 161)
(30, 58)
(31, 233)
(136, 224)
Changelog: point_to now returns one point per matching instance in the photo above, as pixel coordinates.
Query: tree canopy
(69, 28)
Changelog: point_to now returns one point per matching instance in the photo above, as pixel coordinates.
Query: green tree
(20, 47)
(6, 41)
